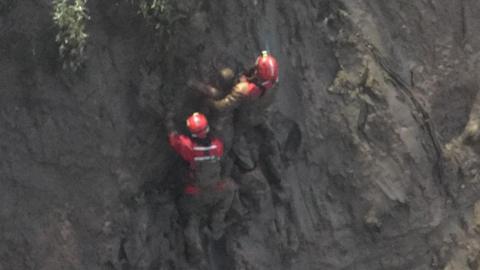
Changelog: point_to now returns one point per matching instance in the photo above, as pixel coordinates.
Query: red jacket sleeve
(219, 150)
(182, 144)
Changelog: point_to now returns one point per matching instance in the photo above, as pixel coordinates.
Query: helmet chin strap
(205, 131)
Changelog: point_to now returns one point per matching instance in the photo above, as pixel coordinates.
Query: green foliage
(157, 12)
(70, 17)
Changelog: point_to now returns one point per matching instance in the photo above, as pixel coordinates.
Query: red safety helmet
(266, 68)
(198, 125)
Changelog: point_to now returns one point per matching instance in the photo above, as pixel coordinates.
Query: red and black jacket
(196, 150)
(202, 156)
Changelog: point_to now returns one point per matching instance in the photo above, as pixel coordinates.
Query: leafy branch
(70, 17)
(157, 12)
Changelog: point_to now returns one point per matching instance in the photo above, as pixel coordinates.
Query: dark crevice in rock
(463, 23)
(122, 256)
(427, 124)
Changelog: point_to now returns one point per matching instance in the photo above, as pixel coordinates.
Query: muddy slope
(376, 116)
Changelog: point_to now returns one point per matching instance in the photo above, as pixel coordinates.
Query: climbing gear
(198, 125)
(266, 70)
(204, 153)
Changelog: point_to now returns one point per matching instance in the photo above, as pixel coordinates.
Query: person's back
(202, 152)
(207, 170)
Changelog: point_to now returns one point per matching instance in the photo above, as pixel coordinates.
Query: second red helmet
(266, 67)
(198, 125)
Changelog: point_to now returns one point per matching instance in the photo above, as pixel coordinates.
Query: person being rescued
(205, 194)
(251, 94)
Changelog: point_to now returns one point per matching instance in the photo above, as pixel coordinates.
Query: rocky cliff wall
(376, 117)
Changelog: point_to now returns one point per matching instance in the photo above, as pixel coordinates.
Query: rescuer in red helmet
(198, 146)
(205, 191)
(252, 85)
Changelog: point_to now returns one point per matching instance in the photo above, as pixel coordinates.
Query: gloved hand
(169, 122)
(243, 78)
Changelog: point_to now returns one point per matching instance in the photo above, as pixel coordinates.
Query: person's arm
(181, 144)
(205, 89)
(232, 100)
(219, 147)
(174, 140)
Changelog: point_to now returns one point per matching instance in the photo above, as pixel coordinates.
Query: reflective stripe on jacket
(191, 152)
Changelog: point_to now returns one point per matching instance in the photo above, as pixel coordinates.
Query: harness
(204, 148)
(206, 169)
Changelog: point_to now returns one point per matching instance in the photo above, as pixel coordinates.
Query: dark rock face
(376, 120)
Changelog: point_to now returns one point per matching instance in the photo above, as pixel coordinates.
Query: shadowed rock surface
(376, 117)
